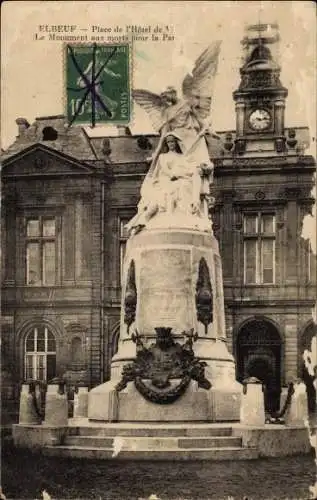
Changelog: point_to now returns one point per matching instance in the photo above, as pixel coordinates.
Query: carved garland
(204, 295)
(159, 397)
(130, 299)
(163, 361)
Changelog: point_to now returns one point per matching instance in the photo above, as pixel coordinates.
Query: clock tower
(260, 98)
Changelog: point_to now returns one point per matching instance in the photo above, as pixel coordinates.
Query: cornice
(273, 202)
(293, 303)
(237, 197)
(265, 162)
(252, 92)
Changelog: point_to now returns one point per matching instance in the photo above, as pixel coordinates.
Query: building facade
(66, 198)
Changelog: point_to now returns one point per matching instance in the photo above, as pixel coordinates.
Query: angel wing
(200, 83)
(152, 104)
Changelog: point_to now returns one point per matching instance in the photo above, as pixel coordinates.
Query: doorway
(259, 353)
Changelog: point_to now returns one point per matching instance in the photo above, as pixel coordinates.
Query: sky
(32, 70)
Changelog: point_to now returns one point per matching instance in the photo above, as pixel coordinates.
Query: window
(40, 354)
(259, 248)
(123, 233)
(49, 134)
(41, 251)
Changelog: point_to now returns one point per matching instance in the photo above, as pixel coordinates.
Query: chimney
(23, 125)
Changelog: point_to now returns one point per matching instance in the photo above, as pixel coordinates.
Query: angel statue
(183, 122)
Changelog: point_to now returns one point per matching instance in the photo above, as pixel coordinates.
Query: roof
(75, 142)
(72, 141)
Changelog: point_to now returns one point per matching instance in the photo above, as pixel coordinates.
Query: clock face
(260, 119)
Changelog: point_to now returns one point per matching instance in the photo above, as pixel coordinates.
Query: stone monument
(172, 362)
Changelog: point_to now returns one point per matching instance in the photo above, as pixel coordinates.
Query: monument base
(195, 405)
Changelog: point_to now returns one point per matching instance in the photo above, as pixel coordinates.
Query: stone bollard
(28, 413)
(283, 398)
(56, 405)
(252, 402)
(81, 403)
(297, 412)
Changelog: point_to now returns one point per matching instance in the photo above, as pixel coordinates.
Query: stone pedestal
(297, 413)
(27, 411)
(129, 406)
(163, 273)
(191, 406)
(166, 263)
(283, 398)
(252, 403)
(81, 403)
(56, 406)
(103, 402)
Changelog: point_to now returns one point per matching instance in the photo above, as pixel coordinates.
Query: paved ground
(25, 476)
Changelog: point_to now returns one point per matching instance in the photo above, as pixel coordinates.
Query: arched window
(40, 354)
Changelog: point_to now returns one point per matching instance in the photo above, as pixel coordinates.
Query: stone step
(112, 430)
(153, 443)
(233, 453)
(92, 441)
(215, 442)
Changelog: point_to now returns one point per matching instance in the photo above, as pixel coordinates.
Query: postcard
(158, 165)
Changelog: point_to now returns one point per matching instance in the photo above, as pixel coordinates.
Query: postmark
(97, 80)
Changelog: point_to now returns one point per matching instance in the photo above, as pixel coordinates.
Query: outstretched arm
(111, 73)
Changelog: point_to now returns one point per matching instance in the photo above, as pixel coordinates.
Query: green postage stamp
(98, 84)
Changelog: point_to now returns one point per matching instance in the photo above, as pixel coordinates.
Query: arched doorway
(259, 353)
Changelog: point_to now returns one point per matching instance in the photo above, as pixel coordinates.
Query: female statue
(173, 187)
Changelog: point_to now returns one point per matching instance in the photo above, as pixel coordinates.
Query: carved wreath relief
(163, 371)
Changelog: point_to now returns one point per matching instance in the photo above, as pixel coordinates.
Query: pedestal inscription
(165, 285)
